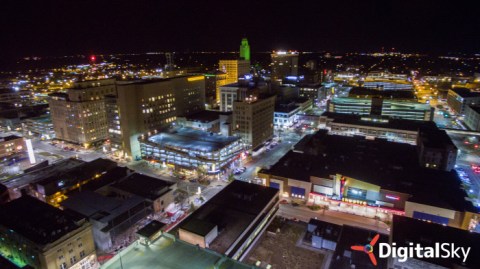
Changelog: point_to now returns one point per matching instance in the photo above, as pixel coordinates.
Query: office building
(146, 106)
(284, 64)
(472, 117)
(189, 149)
(39, 126)
(234, 69)
(459, 98)
(213, 82)
(286, 113)
(311, 91)
(79, 115)
(374, 176)
(232, 220)
(44, 237)
(11, 144)
(253, 119)
(244, 50)
(230, 93)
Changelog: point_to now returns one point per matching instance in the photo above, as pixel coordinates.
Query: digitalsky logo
(415, 251)
(368, 249)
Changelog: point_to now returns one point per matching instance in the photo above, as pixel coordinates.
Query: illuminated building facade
(284, 64)
(253, 119)
(39, 235)
(142, 107)
(459, 98)
(185, 148)
(234, 69)
(79, 115)
(244, 50)
(11, 144)
(40, 126)
(213, 82)
(383, 107)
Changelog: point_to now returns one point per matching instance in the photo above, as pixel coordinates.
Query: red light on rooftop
(93, 58)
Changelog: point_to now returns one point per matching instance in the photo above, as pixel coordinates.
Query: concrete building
(253, 119)
(146, 106)
(189, 149)
(436, 150)
(39, 126)
(472, 117)
(210, 121)
(79, 115)
(44, 237)
(234, 69)
(11, 144)
(381, 107)
(459, 98)
(231, 221)
(283, 64)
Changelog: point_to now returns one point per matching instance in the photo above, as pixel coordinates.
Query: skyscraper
(284, 64)
(234, 69)
(245, 50)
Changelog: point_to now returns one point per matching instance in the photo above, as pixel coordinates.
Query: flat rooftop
(151, 228)
(465, 93)
(361, 92)
(392, 166)
(476, 108)
(143, 186)
(166, 253)
(37, 221)
(204, 116)
(196, 140)
(10, 137)
(233, 209)
(405, 230)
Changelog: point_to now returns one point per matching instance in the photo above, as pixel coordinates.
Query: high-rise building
(41, 236)
(145, 106)
(234, 69)
(244, 50)
(213, 82)
(284, 64)
(253, 119)
(79, 115)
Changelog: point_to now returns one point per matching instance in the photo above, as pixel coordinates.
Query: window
(63, 266)
(80, 245)
(60, 257)
(73, 260)
(82, 254)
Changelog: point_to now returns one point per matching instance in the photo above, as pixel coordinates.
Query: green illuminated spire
(245, 50)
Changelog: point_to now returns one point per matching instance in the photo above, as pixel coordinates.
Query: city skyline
(87, 27)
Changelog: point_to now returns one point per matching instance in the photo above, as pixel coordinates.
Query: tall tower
(245, 50)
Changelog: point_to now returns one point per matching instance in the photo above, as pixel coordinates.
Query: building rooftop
(98, 207)
(168, 253)
(196, 140)
(36, 220)
(10, 137)
(435, 138)
(405, 230)
(75, 175)
(197, 226)
(465, 93)
(475, 108)
(232, 210)
(285, 108)
(392, 166)
(151, 229)
(361, 92)
(204, 116)
(143, 186)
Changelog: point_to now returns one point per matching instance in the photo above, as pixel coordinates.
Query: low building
(209, 121)
(231, 221)
(11, 144)
(55, 188)
(408, 231)
(459, 98)
(285, 115)
(324, 235)
(39, 126)
(44, 237)
(436, 150)
(186, 148)
(378, 177)
(472, 117)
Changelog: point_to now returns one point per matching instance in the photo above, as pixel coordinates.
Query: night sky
(82, 27)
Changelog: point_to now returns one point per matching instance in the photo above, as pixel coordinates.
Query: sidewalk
(339, 218)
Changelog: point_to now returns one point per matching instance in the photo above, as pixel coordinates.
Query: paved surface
(305, 214)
